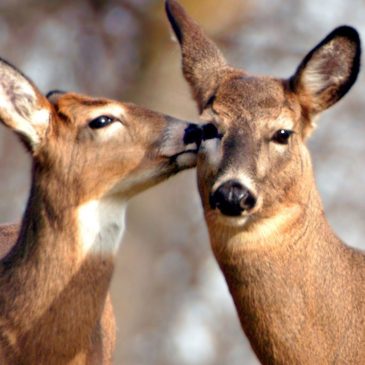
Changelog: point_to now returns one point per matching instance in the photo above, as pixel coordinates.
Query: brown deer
(89, 156)
(298, 289)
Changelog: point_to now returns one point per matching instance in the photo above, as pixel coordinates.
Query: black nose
(232, 198)
(210, 131)
(193, 134)
(197, 133)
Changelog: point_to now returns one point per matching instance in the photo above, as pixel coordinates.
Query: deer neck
(294, 224)
(59, 271)
(283, 275)
(58, 223)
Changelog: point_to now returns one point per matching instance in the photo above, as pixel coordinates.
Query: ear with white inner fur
(22, 106)
(327, 73)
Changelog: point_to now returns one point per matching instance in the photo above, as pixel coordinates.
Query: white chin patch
(101, 225)
(233, 221)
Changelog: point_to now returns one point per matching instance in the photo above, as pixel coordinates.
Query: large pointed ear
(327, 73)
(22, 106)
(201, 59)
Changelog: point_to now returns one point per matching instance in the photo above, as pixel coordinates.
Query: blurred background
(172, 304)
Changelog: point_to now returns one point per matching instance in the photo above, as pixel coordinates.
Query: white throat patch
(101, 225)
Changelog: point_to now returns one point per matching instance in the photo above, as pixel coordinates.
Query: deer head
(94, 146)
(260, 165)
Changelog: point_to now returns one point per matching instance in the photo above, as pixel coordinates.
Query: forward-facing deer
(299, 291)
(90, 156)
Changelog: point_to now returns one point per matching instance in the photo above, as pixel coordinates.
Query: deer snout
(196, 134)
(193, 134)
(232, 198)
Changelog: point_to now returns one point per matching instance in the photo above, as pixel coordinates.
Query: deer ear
(327, 73)
(22, 106)
(54, 95)
(202, 61)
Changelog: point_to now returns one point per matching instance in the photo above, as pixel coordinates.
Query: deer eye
(282, 136)
(101, 122)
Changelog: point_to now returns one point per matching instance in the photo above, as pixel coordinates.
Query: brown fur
(299, 291)
(54, 302)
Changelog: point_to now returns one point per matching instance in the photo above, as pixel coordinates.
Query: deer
(90, 155)
(299, 291)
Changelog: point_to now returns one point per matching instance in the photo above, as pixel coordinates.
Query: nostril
(227, 198)
(232, 198)
(248, 201)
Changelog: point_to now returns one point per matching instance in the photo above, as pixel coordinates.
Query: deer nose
(232, 198)
(193, 134)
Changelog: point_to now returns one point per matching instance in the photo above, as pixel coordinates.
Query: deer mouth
(186, 158)
(215, 216)
(182, 142)
(233, 199)
(186, 154)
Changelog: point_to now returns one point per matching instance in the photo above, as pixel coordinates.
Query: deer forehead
(255, 91)
(251, 98)
(261, 126)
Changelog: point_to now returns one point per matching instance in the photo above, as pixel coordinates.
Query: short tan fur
(89, 156)
(298, 289)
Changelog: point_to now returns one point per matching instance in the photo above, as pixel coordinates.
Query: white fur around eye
(111, 130)
(112, 109)
(284, 122)
(115, 111)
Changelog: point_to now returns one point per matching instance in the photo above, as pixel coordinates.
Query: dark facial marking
(210, 131)
(193, 134)
(93, 102)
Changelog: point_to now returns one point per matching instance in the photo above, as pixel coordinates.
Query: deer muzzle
(232, 199)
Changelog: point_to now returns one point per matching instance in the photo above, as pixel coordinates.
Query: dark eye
(101, 122)
(282, 136)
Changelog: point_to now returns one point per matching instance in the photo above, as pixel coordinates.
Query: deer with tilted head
(89, 156)
(298, 289)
